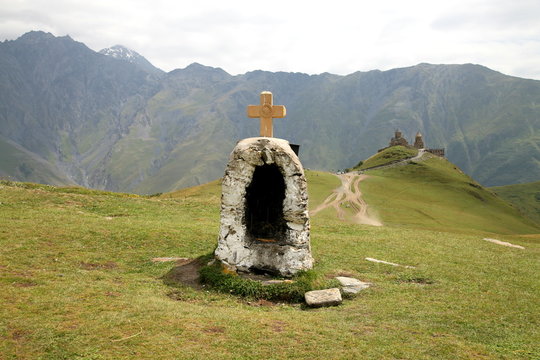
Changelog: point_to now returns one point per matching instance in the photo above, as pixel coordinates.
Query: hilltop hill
(386, 157)
(108, 123)
(431, 192)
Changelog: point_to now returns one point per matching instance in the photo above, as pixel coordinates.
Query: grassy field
(526, 197)
(78, 281)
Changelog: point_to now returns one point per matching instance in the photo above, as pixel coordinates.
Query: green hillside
(526, 197)
(16, 162)
(387, 156)
(78, 280)
(433, 193)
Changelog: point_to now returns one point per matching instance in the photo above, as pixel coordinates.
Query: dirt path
(349, 193)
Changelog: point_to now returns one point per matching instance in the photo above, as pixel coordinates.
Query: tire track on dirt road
(349, 193)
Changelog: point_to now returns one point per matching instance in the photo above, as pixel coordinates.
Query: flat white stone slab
(388, 263)
(167, 259)
(504, 243)
(320, 298)
(351, 285)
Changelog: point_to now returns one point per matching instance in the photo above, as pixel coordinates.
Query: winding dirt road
(349, 195)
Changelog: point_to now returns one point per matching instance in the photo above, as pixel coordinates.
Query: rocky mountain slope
(108, 122)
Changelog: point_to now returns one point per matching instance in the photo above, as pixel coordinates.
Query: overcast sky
(340, 36)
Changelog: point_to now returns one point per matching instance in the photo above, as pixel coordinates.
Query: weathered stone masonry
(264, 209)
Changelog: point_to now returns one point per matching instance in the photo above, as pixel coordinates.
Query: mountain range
(111, 120)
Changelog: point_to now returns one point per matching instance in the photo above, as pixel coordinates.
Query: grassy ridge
(78, 283)
(434, 194)
(526, 197)
(387, 156)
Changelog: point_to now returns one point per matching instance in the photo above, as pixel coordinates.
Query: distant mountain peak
(48, 40)
(36, 36)
(121, 52)
(196, 67)
(196, 71)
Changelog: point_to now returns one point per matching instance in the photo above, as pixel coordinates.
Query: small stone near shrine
(351, 285)
(322, 298)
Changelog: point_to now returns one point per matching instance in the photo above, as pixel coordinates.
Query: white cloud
(339, 37)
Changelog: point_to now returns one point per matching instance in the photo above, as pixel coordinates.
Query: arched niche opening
(264, 205)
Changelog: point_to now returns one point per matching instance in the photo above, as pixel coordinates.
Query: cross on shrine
(266, 112)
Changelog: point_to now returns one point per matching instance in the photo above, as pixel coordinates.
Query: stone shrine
(264, 224)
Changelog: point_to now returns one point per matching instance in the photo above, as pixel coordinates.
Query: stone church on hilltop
(398, 139)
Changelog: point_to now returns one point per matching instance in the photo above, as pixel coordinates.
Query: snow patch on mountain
(121, 52)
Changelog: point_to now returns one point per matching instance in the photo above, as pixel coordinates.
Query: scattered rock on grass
(321, 298)
(504, 243)
(388, 263)
(185, 272)
(352, 285)
(167, 259)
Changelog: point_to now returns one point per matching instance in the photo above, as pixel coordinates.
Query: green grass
(387, 156)
(78, 281)
(215, 277)
(434, 194)
(209, 192)
(526, 197)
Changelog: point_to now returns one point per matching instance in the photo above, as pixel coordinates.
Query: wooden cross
(266, 111)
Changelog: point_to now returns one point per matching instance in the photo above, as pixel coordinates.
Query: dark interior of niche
(264, 205)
